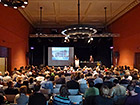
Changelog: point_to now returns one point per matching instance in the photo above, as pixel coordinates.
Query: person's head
(116, 81)
(104, 90)
(23, 89)
(64, 91)
(10, 84)
(19, 81)
(25, 83)
(31, 80)
(36, 88)
(91, 83)
(82, 76)
(0, 73)
(6, 73)
(72, 77)
(47, 77)
(138, 83)
(131, 89)
(56, 77)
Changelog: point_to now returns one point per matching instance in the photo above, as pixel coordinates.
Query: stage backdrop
(60, 56)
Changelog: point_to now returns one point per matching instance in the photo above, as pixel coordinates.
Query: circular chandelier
(79, 31)
(14, 3)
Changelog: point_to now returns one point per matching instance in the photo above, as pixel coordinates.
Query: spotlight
(15, 7)
(25, 2)
(6, 5)
(23, 6)
(91, 39)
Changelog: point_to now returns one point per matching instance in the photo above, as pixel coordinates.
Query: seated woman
(22, 98)
(62, 99)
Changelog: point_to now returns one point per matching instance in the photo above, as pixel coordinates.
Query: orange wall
(14, 31)
(128, 26)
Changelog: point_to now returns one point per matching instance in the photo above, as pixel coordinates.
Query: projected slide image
(60, 53)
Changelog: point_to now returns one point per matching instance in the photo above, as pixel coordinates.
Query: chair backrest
(83, 88)
(73, 91)
(56, 90)
(76, 99)
(58, 85)
(10, 98)
(45, 91)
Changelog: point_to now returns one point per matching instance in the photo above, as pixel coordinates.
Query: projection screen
(60, 56)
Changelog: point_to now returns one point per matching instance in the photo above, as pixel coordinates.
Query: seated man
(91, 91)
(47, 84)
(137, 87)
(83, 83)
(134, 98)
(72, 84)
(37, 98)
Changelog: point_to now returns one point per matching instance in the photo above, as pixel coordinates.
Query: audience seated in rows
(99, 85)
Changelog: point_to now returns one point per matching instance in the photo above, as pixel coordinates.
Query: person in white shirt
(6, 78)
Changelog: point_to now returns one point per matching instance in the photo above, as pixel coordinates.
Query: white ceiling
(60, 13)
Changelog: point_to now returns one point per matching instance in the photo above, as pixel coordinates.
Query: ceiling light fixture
(78, 31)
(14, 3)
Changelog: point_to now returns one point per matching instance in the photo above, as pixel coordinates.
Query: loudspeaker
(116, 54)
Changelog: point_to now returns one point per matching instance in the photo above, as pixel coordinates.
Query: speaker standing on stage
(91, 59)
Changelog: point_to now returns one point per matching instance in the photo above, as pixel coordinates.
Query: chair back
(10, 97)
(56, 90)
(45, 91)
(58, 85)
(73, 91)
(83, 88)
(76, 99)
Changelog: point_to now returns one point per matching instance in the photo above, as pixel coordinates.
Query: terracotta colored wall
(128, 26)
(14, 31)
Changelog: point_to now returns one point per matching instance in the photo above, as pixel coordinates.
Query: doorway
(3, 64)
(137, 61)
(4, 59)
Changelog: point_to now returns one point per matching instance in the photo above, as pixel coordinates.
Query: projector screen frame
(61, 62)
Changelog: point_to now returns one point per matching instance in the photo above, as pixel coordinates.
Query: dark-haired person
(91, 91)
(37, 98)
(22, 98)
(47, 84)
(133, 98)
(82, 83)
(101, 99)
(117, 90)
(18, 83)
(104, 99)
(11, 89)
(137, 87)
(72, 84)
(62, 99)
(118, 93)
